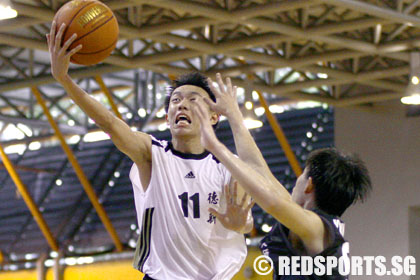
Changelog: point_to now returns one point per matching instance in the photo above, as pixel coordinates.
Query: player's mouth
(182, 119)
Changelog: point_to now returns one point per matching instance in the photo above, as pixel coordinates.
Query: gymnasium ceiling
(340, 52)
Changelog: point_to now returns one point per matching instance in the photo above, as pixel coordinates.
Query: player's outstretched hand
(208, 137)
(226, 98)
(236, 214)
(60, 57)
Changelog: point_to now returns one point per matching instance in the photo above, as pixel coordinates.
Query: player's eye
(175, 99)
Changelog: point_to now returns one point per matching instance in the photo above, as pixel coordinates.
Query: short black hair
(195, 79)
(339, 180)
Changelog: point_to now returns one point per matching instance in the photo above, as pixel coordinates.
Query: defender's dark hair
(340, 180)
(194, 79)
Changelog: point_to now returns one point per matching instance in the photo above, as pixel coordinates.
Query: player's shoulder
(333, 219)
(334, 225)
(158, 143)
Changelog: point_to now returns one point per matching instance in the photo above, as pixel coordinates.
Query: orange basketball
(96, 28)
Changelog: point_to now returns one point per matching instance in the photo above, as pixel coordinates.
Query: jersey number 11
(195, 198)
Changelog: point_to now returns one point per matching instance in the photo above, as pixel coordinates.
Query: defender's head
(335, 180)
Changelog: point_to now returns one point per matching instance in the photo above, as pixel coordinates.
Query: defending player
(308, 219)
(174, 183)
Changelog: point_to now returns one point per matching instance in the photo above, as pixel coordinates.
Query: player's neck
(309, 204)
(187, 145)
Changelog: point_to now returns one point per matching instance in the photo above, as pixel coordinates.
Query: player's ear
(166, 119)
(310, 187)
(214, 118)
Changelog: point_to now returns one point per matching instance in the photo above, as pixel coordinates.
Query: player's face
(180, 117)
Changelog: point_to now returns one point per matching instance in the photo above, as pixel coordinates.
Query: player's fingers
(198, 111)
(235, 93)
(57, 42)
(250, 205)
(68, 43)
(74, 50)
(218, 215)
(227, 194)
(220, 82)
(215, 90)
(229, 85)
(209, 102)
(48, 41)
(52, 34)
(235, 192)
(203, 110)
(244, 198)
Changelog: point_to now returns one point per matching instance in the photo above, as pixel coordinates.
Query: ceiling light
(132, 243)
(33, 146)
(161, 113)
(6, 10)
(15, 149)
(142, 112)
(95, 136)
(255, 95)
(259, 111)
(412, 92)
(162, 127)
(413, 99)
(249, 105)
(276, 109)
(74, 139)
(266, 228)
(252, 123)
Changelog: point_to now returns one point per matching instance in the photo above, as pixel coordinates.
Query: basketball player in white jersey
(175, 183)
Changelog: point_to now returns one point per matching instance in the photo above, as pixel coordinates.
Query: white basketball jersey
(179, 237)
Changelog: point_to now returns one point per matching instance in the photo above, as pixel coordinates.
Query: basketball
(96, 28)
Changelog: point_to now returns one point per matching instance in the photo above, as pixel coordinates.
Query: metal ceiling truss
(41, 203)
(324, 31)
(85, 209)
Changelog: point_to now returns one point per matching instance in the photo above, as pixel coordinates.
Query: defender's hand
(236, 215)
(226, 97)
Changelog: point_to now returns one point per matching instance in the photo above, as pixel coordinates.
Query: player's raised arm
(227, 105)
(268, 194)
(136, 145)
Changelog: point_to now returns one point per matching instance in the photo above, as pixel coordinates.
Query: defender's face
(180, 117)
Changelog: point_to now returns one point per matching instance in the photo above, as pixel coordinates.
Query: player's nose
(184, 104)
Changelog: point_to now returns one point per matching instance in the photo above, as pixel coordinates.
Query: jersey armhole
(135, 174)
(329, 227)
